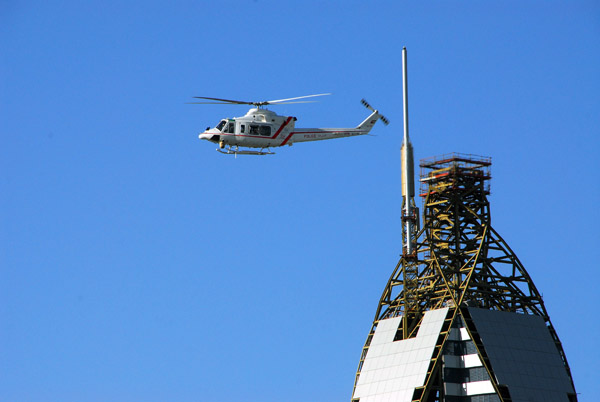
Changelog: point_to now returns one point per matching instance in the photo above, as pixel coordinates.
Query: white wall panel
(471, 361)
(479, 388)
(392, 370)
(464, 334)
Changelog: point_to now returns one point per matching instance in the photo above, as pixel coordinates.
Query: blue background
(138, 264)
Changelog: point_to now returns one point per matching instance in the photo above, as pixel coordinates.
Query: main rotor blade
(244, 103)
(212, 103)
(289, 103)
(225, 100)
(258, 104)
(298, 97)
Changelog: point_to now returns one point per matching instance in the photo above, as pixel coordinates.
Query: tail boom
(317, 134)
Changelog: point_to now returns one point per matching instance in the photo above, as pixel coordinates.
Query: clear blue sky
(138, 264)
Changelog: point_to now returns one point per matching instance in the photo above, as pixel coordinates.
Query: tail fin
(370, 121)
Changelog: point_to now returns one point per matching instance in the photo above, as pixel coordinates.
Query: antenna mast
(408, 174)
(410, 215)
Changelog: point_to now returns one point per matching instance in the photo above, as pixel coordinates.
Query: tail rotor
(371, 108)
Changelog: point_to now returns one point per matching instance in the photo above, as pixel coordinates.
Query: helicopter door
(230, 128)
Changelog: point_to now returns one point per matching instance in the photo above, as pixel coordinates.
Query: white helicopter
(263, 129)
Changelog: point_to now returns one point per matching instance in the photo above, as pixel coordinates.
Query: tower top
(437, 170)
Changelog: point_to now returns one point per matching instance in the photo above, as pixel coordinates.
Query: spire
(408, 175)
(405, 94)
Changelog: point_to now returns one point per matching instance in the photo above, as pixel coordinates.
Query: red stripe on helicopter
(287, 139)
(285, 123)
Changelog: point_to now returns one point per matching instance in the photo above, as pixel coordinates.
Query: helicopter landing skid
(237, 151)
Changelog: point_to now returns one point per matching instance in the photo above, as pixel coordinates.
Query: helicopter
(260, 129)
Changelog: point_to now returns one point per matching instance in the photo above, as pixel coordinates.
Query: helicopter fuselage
(262, 128)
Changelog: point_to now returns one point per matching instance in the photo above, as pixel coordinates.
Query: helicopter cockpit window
(242, 128)
(221, 125)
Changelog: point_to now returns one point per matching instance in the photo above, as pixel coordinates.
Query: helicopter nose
(209, 137)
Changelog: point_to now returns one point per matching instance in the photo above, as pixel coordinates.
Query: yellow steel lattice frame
(460, 261)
